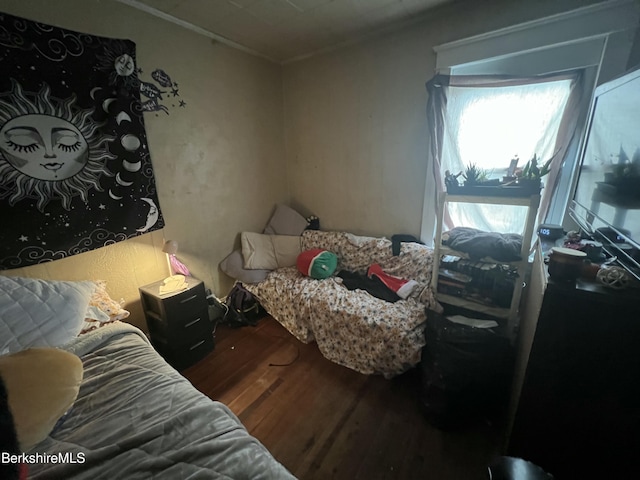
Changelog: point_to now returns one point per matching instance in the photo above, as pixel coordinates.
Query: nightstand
(178, 322)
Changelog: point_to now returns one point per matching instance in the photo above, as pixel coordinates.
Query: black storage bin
(465, 373)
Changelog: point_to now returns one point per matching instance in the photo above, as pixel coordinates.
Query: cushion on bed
(41, 313)
(233, 265)
(42, 383)
(268, 252)
(317, 263)
(286, 221)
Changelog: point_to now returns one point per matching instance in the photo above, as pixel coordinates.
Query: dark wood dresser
(576, 403)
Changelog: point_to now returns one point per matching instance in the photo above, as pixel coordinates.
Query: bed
(134, 416)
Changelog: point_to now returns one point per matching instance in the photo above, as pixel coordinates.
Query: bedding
(352, 327)
(136, 417)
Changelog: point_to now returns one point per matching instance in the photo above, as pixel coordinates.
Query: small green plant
(474, 174)
(532, 171)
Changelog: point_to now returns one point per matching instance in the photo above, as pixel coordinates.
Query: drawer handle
(189, 299)
(196, 345)
(187, 325)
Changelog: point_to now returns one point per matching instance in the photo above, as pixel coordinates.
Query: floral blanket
(353, 328)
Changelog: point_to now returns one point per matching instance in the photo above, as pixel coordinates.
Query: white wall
(355, 122)
(219, 162)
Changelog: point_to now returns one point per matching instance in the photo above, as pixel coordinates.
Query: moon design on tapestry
(119, 181)
(49, 148)
(131, 167)
(107, 103)
(93, 91)
(130, 142)
(123, 117)
(152, 216)
(114, 196)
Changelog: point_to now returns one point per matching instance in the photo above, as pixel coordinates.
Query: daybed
(134, 415)
(352, 327)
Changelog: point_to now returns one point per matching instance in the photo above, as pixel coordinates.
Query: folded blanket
(505, 247)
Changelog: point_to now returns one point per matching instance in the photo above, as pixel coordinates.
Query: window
(596, 39)
(488, 126)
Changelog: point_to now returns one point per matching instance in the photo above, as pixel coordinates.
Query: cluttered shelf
(483, 271)
(447, 251)
(483, 286)
(475, 305)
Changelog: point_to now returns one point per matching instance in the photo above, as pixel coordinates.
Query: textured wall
(219, 161)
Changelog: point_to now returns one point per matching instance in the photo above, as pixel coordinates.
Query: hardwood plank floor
(325, 421)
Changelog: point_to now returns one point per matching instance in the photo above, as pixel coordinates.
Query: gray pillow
(41, 313)
(233, 265)
(286, 221)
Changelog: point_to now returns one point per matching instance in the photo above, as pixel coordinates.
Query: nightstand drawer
(181, 304)
(187, 303)
(186, 355)
(180, 329)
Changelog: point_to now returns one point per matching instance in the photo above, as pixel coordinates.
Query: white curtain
(489, 120)
(490, 126)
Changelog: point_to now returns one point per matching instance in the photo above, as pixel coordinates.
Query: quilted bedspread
(137, 418)
(352, 327)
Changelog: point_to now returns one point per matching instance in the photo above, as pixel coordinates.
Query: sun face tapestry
(75, 169)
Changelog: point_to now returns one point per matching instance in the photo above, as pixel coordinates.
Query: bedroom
(330, 123)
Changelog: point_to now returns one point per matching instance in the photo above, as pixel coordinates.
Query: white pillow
(269, 252)
(40, 313)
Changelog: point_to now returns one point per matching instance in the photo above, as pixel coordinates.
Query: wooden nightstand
(179, 324)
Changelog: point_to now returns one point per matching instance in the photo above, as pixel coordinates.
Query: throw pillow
(317, 263)
(233, 265)
(268, 252)
(42, 383)
(286, 221)
(40, 313)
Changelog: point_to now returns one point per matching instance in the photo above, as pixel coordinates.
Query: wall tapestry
(75, 169)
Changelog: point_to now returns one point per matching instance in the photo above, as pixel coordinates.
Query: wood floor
(325, 421)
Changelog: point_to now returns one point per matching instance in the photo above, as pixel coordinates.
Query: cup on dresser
(566, 264)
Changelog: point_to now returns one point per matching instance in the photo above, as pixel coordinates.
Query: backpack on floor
(243, 308)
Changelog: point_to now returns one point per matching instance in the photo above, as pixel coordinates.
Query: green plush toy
(317, 263)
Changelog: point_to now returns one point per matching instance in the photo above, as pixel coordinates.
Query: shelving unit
(509, 314)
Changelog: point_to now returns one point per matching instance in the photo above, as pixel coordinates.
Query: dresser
(179, 325)
(576, 403)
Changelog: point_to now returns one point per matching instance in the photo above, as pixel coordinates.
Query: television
(606, 200)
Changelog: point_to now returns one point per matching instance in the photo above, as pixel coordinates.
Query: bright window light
(490, 126)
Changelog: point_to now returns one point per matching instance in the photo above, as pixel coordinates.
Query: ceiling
(287, 30)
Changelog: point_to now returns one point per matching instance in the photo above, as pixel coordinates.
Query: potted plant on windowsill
(476, 182)
(531, 175)
(474, 175)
